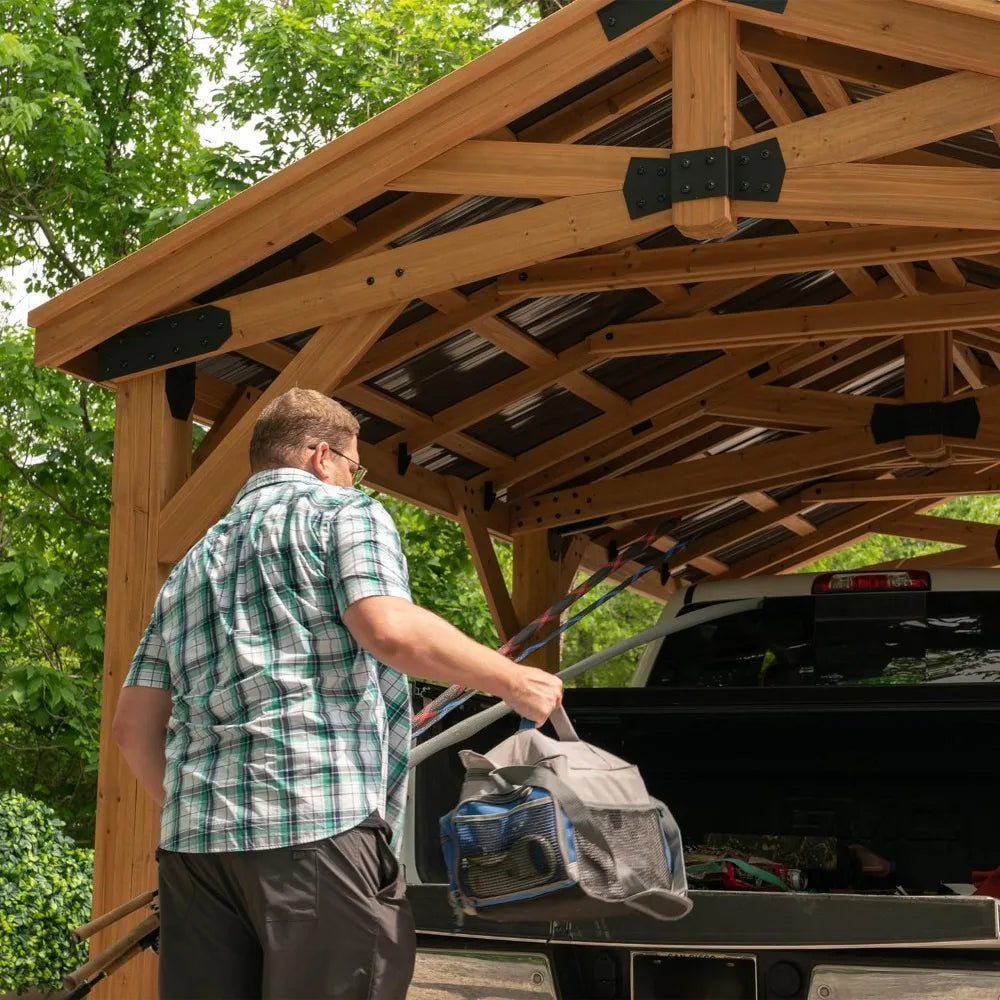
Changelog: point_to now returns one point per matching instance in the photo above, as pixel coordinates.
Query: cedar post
(538, 582)
(152, 457)
(929, 376)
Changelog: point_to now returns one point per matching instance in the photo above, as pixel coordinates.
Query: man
(264, 712)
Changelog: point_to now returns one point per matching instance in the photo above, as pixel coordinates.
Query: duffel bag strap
(560, 723)
(579, 815)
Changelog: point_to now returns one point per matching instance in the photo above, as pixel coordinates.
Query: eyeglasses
(358, 473)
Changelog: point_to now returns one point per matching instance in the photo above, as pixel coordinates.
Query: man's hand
(534, 694)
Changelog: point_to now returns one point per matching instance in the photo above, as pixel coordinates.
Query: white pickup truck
(839, 731)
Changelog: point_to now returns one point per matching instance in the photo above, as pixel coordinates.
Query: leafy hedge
(45, 891)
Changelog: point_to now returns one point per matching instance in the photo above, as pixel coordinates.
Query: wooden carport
(731, 264)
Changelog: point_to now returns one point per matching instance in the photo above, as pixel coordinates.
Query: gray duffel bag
(557, 829)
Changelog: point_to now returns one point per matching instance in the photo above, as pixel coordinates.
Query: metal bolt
(124, 365)
(201, 317)
(537, 978)
(177, 351)
(661, 172)
(173, 324)
(685, 164)
(522, 276)
(765, 153)
(641, 203)
(151, 356)
(399, 272)
(744, 185)
(765, 188)
(824, 991)
(204, 341)
(371, 280)
(611, 22)
(661, 197)
(219, 325)
(710, 186)
(686, 189)
(609, 335)
(641, 171)
(744, 159)
(710, 160)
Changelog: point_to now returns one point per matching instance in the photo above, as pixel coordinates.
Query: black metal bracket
(624, 15)
(179, 386)
(403, 458)
(664, 572)
(959, 418)
(489, 495)
(752, 173)
(612, 551)
(555, 541)
(168, 340)
(996, 544)
(774, 6)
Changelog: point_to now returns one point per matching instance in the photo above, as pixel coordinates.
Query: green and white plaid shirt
(283, 730)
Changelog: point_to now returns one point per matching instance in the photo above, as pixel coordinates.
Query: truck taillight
(848, 583)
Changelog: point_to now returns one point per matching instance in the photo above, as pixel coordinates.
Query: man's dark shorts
(328, 919)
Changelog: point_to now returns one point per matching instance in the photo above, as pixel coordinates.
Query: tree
(55, 468)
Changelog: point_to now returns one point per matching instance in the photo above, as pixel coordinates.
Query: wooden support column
(537, 582)
(151, 459)
(704, 106)
(484, 558)
(929, 376)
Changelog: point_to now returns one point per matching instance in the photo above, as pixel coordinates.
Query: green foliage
(307, 71)
(99, 123)
(45, 884)
(55, 474)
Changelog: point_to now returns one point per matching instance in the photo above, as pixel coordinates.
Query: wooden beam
(395, 277)
(928, 372)
(950, 483)
(239, 404)
(632, 90)
(552, 57)
(537, 582)
(896, 28)
(477, 536)
(747, 258)
(829, 537)
(768, 87)
(791, 409)
(855, 65)
(586, 450)
(895, 122)
(151, 450)
(886, 194)
(951, 531)
(704, 104)
(767, 465)
(523, 169)
(321, 365)
(948, 559)
(809, 325)
(989, 9)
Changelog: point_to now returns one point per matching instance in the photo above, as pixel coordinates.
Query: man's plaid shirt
(283, 730)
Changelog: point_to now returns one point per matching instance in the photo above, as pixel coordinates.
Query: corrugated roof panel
(447, 463)
(530, 422)
(632, 378)
(448, 373)
(750, 546)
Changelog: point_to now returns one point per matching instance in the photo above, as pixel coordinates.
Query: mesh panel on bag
(636, 837)
(511, 852)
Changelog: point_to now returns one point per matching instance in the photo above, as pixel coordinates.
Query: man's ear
(317, 459)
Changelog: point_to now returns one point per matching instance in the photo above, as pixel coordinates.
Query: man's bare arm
(140, 729)
(417, 642)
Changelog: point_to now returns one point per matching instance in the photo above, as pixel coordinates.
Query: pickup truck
(840, 732)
